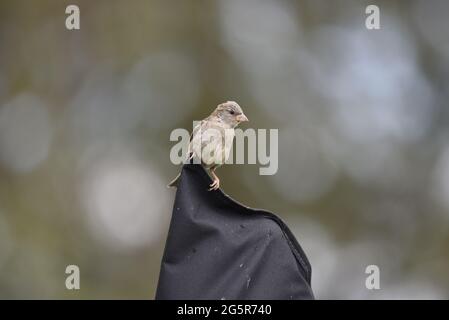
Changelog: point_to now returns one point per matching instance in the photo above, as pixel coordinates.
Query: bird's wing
(194, 136)
(209, 143)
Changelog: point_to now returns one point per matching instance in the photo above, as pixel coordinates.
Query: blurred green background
(85, 118)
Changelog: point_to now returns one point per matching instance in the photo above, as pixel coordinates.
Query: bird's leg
(216, 183)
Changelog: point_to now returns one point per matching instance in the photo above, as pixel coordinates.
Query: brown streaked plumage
(211, 139)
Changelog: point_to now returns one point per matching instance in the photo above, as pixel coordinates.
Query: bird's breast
(213, 145)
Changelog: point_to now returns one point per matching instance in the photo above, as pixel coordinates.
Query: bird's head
(230, 113)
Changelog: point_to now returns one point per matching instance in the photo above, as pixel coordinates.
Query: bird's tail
(175, 181)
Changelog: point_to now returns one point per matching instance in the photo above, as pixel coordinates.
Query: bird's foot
(214, 185)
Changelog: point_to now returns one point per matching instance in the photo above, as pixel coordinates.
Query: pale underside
(211, 143)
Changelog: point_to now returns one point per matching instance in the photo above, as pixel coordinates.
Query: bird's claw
(214, 185)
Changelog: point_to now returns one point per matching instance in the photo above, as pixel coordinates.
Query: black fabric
(219, 249)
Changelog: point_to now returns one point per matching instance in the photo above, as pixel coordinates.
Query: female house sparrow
(211, 139)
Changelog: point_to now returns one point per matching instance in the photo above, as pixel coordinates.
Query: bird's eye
(231, 111)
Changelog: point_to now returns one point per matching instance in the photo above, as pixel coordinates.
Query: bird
(211, 139)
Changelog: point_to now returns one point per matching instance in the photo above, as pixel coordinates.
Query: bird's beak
(242, 118)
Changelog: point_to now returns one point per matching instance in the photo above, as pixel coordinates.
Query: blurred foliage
(85, 118)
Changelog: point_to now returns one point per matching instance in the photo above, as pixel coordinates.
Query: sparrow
(211, 140)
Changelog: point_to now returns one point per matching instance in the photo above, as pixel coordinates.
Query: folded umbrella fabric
(219, 249)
